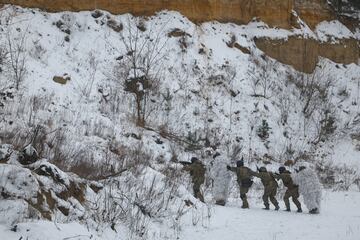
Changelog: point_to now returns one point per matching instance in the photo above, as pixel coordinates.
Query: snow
(331, 31)
(17, 181)
(92, 117)
(338, 220)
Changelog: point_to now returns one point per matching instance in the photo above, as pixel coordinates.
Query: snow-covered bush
(346, 177)
(139, 69)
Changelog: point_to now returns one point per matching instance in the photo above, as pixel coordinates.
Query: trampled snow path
(339, 220)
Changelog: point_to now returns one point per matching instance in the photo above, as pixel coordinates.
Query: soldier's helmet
(262, 169)
(194, 159)
(282, 169)
(302, 168)
(240, 163)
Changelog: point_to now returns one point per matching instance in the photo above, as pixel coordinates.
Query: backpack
(247, 182)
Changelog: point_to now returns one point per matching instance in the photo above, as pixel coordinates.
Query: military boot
(277, 208)
(313, 211)
(299, 210)
(245, 204)
(220, 202)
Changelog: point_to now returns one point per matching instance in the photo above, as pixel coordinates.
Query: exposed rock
(117, 27)
(62, 80)
(41, 190)
(49, 171)
(303, 54)
(313, 11)
(289, 163)
(28, 156)
(96, 14)
(178, 33)
(274, 12)
(241, 48)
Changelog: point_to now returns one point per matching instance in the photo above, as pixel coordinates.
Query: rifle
(184, 163)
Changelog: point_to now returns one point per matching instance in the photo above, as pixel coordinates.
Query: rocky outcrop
(274, 12)
(303, 54)
(313, 11)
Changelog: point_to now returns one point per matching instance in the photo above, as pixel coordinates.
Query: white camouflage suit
(309, 187)
(222, 180)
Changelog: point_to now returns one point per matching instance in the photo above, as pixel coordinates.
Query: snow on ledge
(330, 31)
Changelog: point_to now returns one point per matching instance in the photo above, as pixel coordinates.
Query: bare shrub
(139, 70)
(326, 124)
(326, 173)
(234, 151)
(85, 87)
(261, 73)
(346, 176)
(38, 50)
(136, 200)
(285, 105)
(314, 91)
(17, 55)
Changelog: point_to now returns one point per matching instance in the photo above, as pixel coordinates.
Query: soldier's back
(198, 170)
(287, 180)
(243, 173)
(267, 179)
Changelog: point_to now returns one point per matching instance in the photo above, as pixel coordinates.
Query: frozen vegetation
(97, 111)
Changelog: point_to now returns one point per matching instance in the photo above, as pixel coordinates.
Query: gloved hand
(228, 167)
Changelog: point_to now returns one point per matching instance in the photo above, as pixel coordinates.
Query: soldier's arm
(255, 174)
(277, 176)
(233, 169)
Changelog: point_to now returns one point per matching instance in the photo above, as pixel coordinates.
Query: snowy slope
(207, 97)
(339, 220)
(201, 82)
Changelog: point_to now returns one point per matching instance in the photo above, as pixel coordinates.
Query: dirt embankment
(303, 54)
(274, 12)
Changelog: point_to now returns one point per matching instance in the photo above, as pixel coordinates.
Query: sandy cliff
(273, 12)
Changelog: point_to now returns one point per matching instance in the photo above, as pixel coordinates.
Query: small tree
(139, 69)
(263, 130)
(17, 57)
(314, 91)
(261, 76)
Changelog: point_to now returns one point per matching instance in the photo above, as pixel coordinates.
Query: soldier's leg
(273, 199)
(295, 195)
(243, 192)
(286, 199)
(197, 192)
(265, 198)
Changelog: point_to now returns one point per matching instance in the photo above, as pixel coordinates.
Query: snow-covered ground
(208, 97)
(339, 219)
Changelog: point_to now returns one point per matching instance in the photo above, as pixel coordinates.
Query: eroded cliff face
(274, 12)
(303, 54)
